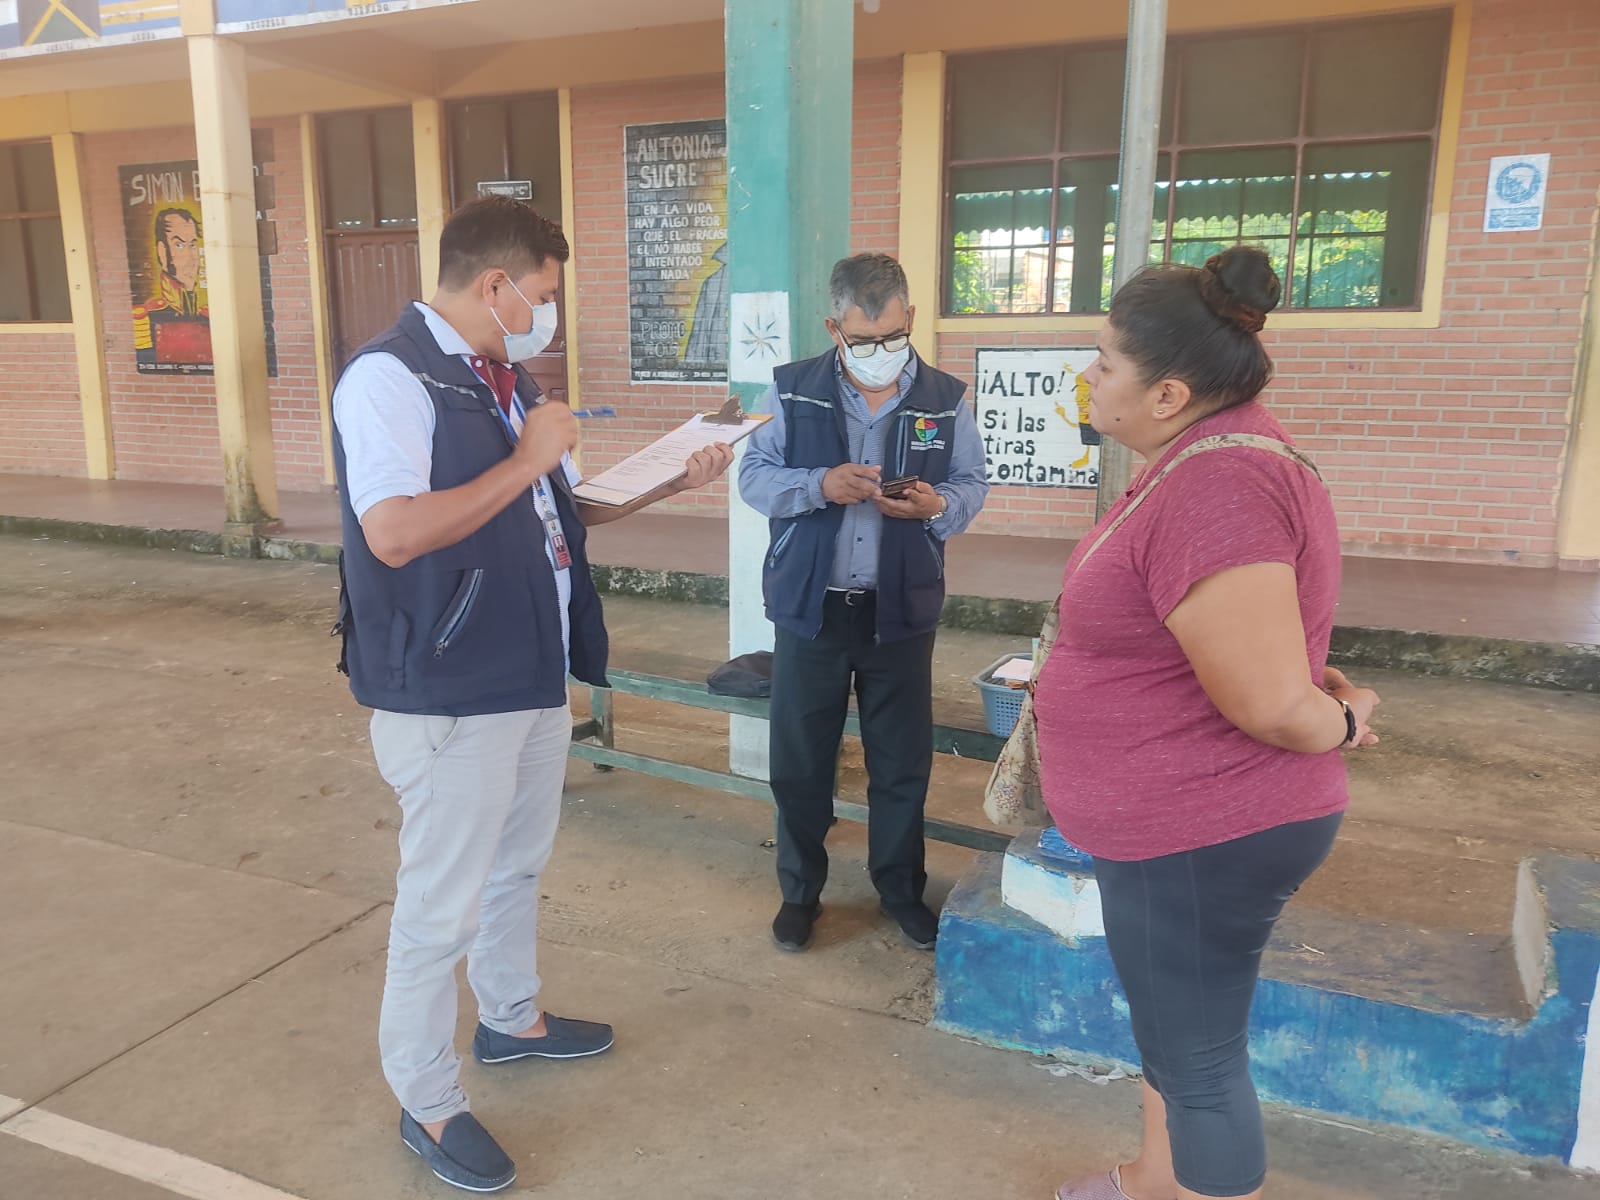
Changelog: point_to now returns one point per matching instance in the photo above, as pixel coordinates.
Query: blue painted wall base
(1503, 1082)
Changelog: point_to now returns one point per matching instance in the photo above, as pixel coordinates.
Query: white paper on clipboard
(661, 462)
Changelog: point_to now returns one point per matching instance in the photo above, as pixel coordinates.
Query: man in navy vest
(466, 600)
(854, 583)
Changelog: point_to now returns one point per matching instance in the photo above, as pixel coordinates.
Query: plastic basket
(1002, 705)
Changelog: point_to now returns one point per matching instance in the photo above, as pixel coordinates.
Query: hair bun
(1240, 286)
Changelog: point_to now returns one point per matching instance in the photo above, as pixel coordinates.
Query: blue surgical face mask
(880, 370)
(523, 346)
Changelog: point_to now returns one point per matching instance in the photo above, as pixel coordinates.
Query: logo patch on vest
(925, 434)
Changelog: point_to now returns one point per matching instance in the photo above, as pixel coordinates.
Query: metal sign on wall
(165, 238)
(677, 201)
(514, 189)
(1033, 414)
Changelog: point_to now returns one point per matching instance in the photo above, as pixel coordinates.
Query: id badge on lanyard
(544, 504)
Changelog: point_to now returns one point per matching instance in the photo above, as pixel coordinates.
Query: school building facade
(1426, 174)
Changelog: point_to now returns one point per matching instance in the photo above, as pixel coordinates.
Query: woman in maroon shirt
(1189, 726)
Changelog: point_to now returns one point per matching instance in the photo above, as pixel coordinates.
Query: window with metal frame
(504, 139)
(33, 256)
(368, 171)
(1316, 142)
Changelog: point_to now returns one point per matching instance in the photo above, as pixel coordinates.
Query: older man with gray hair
(871, 461)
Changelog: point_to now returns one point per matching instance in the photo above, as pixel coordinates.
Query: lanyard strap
(513, 422)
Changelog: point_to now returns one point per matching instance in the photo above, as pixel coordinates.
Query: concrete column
(217, 75)
(433, 188)
(922, 191)
(1578, 533)
(317, 270)
(789, 90)
(569, 226)
(88, 326)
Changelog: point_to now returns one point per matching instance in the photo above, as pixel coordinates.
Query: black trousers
(811, 684)
(1186, 932)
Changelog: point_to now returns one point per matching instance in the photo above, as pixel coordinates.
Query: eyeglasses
(894, 343)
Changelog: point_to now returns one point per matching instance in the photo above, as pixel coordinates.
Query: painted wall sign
(516, 189)
(1518, 184)
(1033, 413)
(677, 200)
(165, 237)
(760, 336)
(50, 26)
(245, 16)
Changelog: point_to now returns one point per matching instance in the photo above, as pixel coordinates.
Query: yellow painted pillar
(922, 189)
(217, 75)
(569, 221)
(317, 264)
(88, 327)
(433, 190)
(1578, 531)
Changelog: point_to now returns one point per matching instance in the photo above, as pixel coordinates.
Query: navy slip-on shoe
(465, 1156)
(563, 1039)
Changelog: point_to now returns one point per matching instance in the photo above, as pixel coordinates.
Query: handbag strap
(1221, 441)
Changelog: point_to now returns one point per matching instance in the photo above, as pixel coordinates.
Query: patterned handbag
(1016, 789)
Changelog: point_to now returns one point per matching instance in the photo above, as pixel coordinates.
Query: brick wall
(601, 257)
(165, 426)
(41, 423)
(1442, 443)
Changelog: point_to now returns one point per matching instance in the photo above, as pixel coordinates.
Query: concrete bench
(1439, 1032)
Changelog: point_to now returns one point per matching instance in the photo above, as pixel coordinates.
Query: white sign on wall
(1033, 415)
(1518, 184)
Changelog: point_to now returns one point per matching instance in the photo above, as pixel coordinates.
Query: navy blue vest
(911, 556)
(474, 627)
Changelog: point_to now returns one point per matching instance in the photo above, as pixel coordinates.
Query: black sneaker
(919, 925)
(791, 928)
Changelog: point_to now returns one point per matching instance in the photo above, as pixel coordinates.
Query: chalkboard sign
(677, 198)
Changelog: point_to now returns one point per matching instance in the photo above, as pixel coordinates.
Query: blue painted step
(1386, 1024)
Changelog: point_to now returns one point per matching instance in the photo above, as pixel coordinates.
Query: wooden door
(371, 278)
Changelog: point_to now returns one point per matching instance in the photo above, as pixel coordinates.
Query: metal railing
(594, 740)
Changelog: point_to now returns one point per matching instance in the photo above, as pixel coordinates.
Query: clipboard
(648, 475)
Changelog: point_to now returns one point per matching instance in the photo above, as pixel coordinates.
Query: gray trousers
(480, 798)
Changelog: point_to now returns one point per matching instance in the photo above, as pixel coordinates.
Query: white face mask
(523, 346)
(880, 370)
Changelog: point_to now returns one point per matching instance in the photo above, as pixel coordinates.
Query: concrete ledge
(1401, 1057)
(1573, 668)
(198, 541)
(1539, 664)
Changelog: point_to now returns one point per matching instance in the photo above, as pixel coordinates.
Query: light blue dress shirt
(776, 490)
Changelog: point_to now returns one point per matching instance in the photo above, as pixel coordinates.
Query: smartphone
(894, 489)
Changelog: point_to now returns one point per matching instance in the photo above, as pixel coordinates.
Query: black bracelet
(1350, 727)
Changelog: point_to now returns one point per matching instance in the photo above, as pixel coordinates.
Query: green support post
(790, 70)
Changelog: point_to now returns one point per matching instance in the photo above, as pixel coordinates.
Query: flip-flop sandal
(1105, 1185)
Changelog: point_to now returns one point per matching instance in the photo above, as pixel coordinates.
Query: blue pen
(589, 414)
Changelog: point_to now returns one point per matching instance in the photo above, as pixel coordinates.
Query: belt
(854, 597)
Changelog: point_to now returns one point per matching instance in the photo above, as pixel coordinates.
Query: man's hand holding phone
(851, 483)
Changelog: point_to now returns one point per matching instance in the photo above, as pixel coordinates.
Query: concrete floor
(196, 858)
